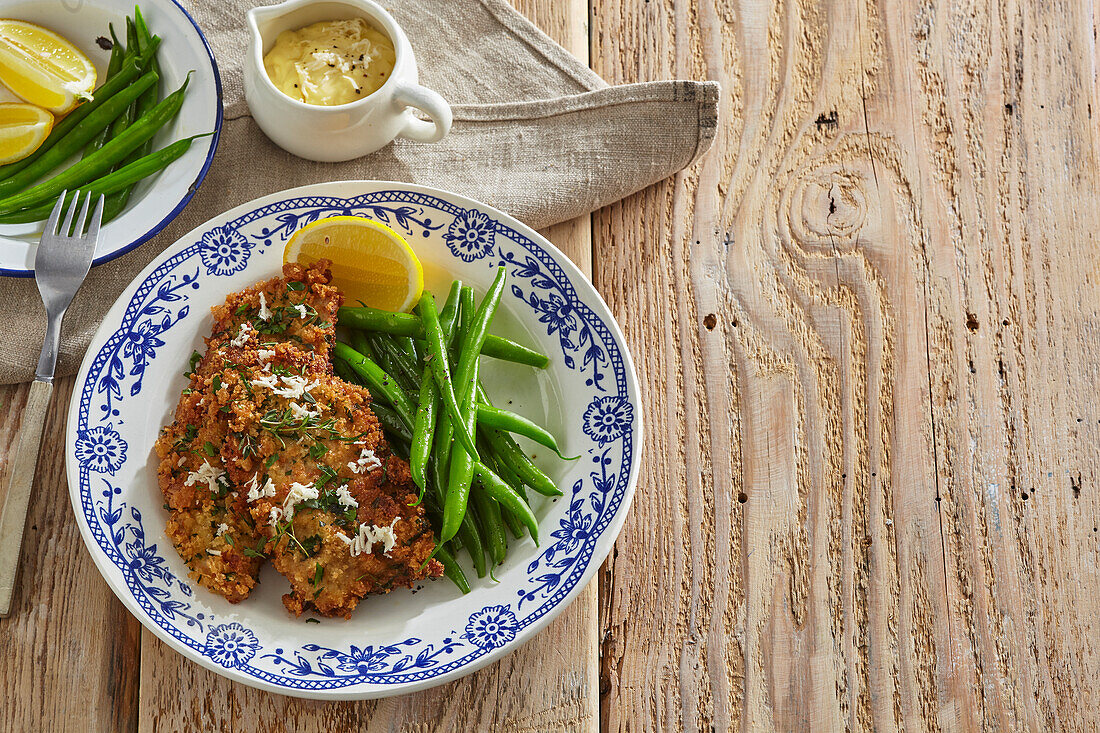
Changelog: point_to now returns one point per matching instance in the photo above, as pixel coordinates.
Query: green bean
(129, 114)
(101, 161)
(449, 313)
(407, 324)
(428, 404)
(460, 471)
(506, 473)
(152, 95)
(118, 52)
(393, 360)
(452, 569)
(358, 341)
(491, 524)
(507, 497)
(407, 346)
(511, 422)
(344, 371)
(100, 118)
(116, 202)
(112, 182)
(130, 71)
(507, 350)
(375, 319)
(441, 371)
(423, 430)
(511, 455)
(381, 384)
(514, 525)
(391, 422)
(471, 538)
(441, 449)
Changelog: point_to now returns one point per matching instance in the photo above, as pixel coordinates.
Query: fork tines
(93, 229)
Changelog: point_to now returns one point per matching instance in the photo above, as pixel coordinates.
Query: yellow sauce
(331, 62)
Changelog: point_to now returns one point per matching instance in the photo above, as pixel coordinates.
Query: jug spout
(259, 18)
(264, 20)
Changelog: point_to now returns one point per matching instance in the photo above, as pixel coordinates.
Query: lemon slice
(42, 67)
(370, 261)
(23, 127)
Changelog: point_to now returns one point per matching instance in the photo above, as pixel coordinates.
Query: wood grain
(866, 327)
(69, 650)
(866, 323)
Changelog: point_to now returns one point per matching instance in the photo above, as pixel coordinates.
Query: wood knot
(828, 208)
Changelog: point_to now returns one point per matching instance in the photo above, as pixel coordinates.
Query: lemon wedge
(23, 127)
(370, 262)
(42, 67)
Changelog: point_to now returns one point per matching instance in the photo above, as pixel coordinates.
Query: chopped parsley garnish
(248, 444)
(187, 437)
(223, 489)
(258, 552)
(210, 449)
(285, 423)
(295, 285)
(327, 475)
(311, 545)
(318, 574)
(196, 357)
(317, 450)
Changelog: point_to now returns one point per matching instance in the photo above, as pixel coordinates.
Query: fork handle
(23, 463)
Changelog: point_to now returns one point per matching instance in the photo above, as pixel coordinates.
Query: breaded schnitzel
(208, 523)
(318, 475)
(291, 456)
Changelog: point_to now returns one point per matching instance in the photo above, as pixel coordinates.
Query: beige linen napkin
(536, 134)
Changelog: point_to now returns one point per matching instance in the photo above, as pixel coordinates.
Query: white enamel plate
(131, 380)
(156, 200)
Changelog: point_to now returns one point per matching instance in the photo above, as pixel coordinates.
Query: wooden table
(867, 326)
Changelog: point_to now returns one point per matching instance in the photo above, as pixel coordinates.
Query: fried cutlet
(271, 455)
(209, 523)
(298, 309)
(322, 483)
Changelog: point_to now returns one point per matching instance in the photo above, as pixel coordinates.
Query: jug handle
(431, 104)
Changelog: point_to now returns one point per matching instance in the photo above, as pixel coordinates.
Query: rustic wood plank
(885, 174)
(1011, 154)
(551, 683)
(69, 648)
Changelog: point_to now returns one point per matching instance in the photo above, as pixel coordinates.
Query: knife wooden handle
(23, 462)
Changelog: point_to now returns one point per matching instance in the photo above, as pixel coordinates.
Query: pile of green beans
(422, 371)
(112, 132)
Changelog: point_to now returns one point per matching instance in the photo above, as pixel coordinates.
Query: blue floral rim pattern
(160, 303)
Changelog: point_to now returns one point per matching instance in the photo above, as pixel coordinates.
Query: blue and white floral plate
(132, 376)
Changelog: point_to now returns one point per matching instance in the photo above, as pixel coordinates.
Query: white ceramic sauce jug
(342, 131)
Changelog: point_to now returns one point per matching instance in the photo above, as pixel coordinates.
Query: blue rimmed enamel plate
(130, 382)
(156, 200)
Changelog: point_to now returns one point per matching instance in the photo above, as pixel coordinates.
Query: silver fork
(60, 266)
